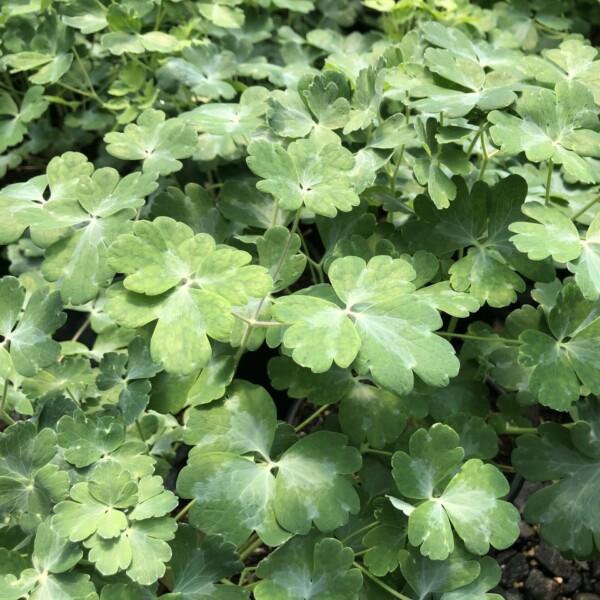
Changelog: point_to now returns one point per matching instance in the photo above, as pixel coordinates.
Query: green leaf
(33, 106)
(566, 508)
(86, 440)
(98, 514)
(560, 125)
(225, 128)
(488, 578)
(230, 487)
(309, 567)
(555, 236)
(204, 70)
(156, 141)
(386, 540)
(382, 321)
(469, 501)
(563, 356)
(133, 387)
(30, 485)
(305, 174)
(29, 333)
(185, 282)
(426, 576)
(478, 221)
(197, 566)
(431, 170)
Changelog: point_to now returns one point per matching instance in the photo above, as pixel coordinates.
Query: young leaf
(305, 175)
(27, 335)
(156, 141)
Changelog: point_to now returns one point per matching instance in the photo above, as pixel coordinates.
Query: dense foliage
(284, 279)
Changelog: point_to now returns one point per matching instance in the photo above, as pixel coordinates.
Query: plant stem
(585, 208)
(253, 323)
(359, 531)
(83, 327)
(275, 273)
(312, 417)
(184, 511)
(479, 338)
(379, 452)
(313, 272)
(380, 583)
(3, 414)
(520, 431)
(251, 548)
(86, 75)
(549, 180)
(486, 158)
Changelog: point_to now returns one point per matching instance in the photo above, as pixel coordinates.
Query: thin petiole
(312, 417)
(479, 338)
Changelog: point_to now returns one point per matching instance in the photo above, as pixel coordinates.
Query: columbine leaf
(426, 576)
(384, 325)
(386, 540)
(560, 125)
(156, 141)
(29, 333)
(555, 236)
(478, 220)
(29, 484)
(132, 387)
(225, 480)
(564, 356)
(565, 509)
(305, 175)
(198, 565)
(309, 567)
(185, 282)
(469, 502)
(85, 440)
(13, 129)
(204, 70)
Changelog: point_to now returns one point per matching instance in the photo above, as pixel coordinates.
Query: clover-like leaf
(563, 356)
(26, 336)
(309, 567)
(53, 555)
(570, 458)
(573, 60)
(204, 70)
(230, 474)
(225, 128)
(555, 235)
(87, 439)
(431, 170)
(384, 325)
(185, 282)
(561, 126)
(385, 541)
(305, 174)
(198, 564)
(469, 501)
(478, 220)
(13, 129)
(426, 576)
(120, 539)
(133, 387)
(30, 484)
(488, 578)
(156, 141)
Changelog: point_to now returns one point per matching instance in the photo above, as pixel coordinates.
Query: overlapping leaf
(464, 498)
(185, 283)
(230, 472)
(370, 314)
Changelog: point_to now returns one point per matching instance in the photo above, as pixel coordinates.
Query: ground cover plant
(295, 294)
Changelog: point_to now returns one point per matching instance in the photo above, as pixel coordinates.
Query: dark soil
(533, 570)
